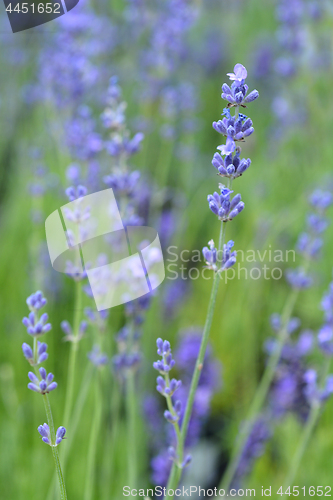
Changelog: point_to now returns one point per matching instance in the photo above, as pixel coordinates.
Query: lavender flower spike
(97, 357)
(42, 384)
(36, 301)
(164, 350)
(211, 256)
(44, 431)
(41, 353)
(240, 74)
(236, 95)
(222, 206)
(167, 388)
(36, 327)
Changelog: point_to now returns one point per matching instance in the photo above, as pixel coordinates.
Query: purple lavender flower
(124, 362)
(41, 353)
(236, 95)
(287, 391)
(223, 207)
(211, 256)
(175, 292)
(237, 128)
(317, 223)
(325, 339)
(314, 394)
(231, 166)
(42, 384)
(44, 431)
(35, 326)
(321, 200)
(97, 357)
(254, 448)
(167, 362)
(123, 183)
(309, 246)
(76, 192)
(240, 74)
(36, 301)
(68, 331)
(327, 304)
(297, 278)
(276, 323)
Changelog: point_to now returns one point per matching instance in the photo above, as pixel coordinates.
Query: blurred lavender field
(122, 94)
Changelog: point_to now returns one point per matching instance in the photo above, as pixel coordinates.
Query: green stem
(131, 416)
(54, 448)
(73, 353)
(90, 475)
(131, 422)
(176, 424)
(262, 391)
(111, 445)
(74, 423)
(176, 471)
(306, 435)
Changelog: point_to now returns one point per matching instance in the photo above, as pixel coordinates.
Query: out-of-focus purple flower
(276, 323)
(297, 278)
(317, 223)
(321, 200)
(253, 449)
(309, 246)
(123, 183)
(175, 292)
(327, 304)
(76, 192)
(73, 173)
(68, 331)
(285, 66)
(161, 466)
(325, 339)
(97, 357)
(287, 391)
(43, 384)
(314, 394)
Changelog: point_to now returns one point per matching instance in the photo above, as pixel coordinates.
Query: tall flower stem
(176, 471)
(74, 423)
(306, 434)
(111, 444)
(73, 353)
(90, 473)
(131, 424)
(262, 391)
(54, 448)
